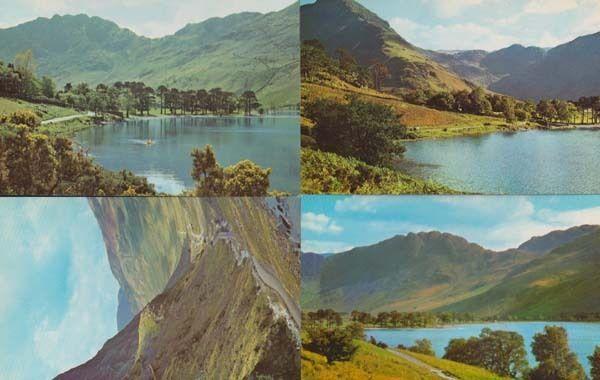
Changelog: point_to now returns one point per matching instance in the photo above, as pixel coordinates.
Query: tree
(244, 179)
(250, 102)
(442, 101)
(380, 73)
(502, 352)
(335, 344)
(206, 172)
(594, 360)
(546, 111)
(48, 87)
(556, 361)
(479, 103)
(508, 109)
(423, 346)
(364, 130)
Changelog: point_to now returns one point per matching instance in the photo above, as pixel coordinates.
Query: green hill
(409, 272)
(548, 276)
(348, 25)
(242, 51)
(562, 281)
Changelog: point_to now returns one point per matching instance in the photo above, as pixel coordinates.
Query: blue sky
(338, 223)
(487, 24)
(58, 297)
(151, 18)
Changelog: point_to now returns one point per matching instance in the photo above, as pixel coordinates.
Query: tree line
(498, 351)
(18, 80)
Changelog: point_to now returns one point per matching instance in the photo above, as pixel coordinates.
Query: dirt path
(435, 371)
(273, 282)
(66, 118)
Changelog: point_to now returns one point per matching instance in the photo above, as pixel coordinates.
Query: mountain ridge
(427, 271)
(247, 51)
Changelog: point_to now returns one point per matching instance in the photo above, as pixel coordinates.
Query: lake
(531, 162)
(583, 337)
(272, 141)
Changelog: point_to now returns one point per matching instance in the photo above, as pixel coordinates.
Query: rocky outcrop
(229, 285)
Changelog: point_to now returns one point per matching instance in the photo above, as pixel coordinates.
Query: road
(416, 361)
(273, 282)
(66, 118)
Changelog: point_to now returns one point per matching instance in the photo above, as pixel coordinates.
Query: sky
(150, 18)
(58, 297)
(487, 24)
(332, 224)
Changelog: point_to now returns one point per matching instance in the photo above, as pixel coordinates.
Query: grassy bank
(44, 111)
(329, 173)
(458, 370)
(372, 362)
(423, 122)
(67, 128)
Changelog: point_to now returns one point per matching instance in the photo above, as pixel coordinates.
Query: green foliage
(336, 344)
(365, 130)
(329, 173)
(36, 164)
(501, 352)
(237, 53)
(423, 346)
(242, 179)
(556, 361)
(594, 360)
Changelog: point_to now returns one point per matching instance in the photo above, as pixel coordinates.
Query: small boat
(149, 142)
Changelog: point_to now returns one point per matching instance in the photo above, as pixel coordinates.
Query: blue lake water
(532, 162)
(272, 142)
(583, 337)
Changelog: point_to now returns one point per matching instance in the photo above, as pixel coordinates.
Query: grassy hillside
(348, 25)
(369, 362)
(414, 272)
(458, 370)
(422, 121)
(562, 281)
(44, 111)
(239, 52)
(372, 362)
(224, 283)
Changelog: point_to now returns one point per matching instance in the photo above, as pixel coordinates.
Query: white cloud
(322, 246)
(549, 6)
(320, 223)
(359, 204)
(451, 8)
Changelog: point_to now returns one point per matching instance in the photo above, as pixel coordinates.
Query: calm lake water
(583, 337)
(532, 162)
(269, 141)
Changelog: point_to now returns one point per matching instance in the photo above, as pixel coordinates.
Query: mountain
(512, 60)
(407, 272)
(563, 281)
(568, 71)
(545, 276)
(312, 263)
(242, 51)
(345, 24)
(206, 295)
(555, 239)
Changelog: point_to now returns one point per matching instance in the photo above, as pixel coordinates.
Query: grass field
(422, 121)
(44, 111)
(374, 363)
(458, 370)
(369, 362)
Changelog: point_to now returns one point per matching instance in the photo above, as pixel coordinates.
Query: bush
(332, 174)
(336, 344)
(365, 130)
(423, 346)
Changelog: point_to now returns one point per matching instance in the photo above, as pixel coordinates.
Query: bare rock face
(229, 285)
